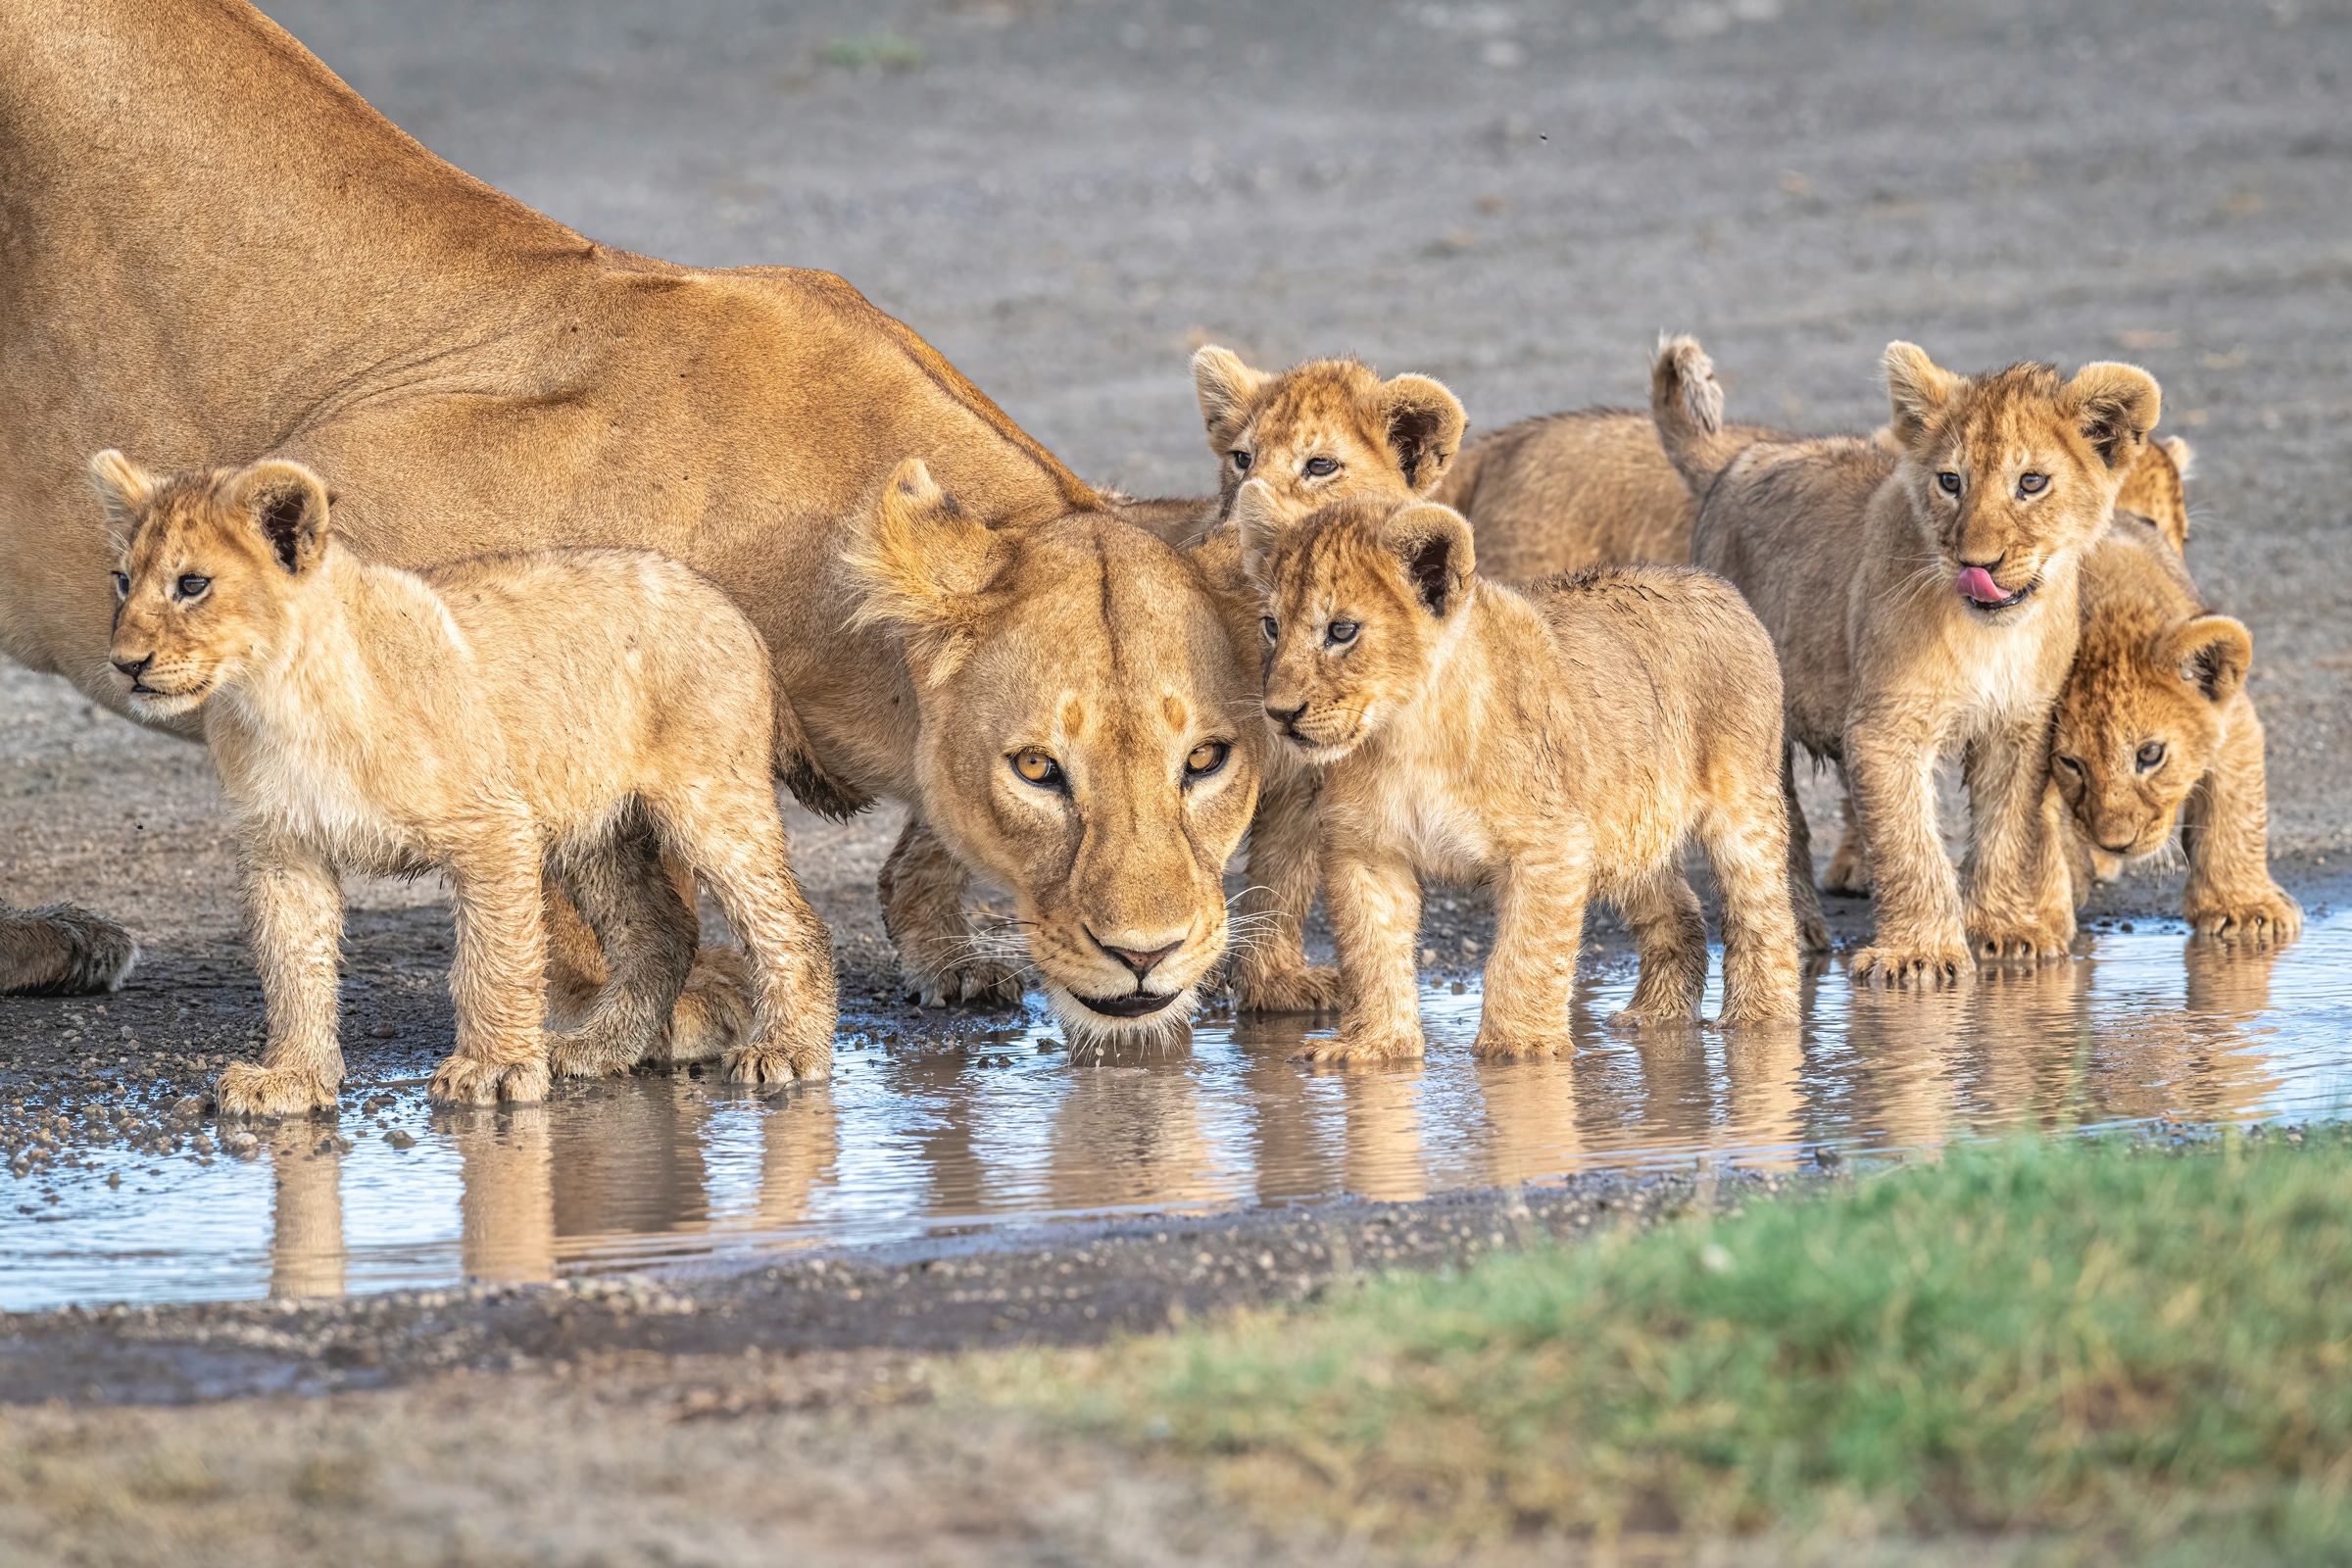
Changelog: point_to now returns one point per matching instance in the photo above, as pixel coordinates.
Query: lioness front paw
(1367, 1045)
(469, 1081)
(769, 1063)
(1306, 989)
(2260, 919)
(246, 1089)
(1923, 964)
(983, 982)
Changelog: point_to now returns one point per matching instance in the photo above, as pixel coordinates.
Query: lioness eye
(2150, 755)
(1272, 631)
(1038, 768)
(1322, 467)
(1951, 482)
(1340, 631)
(191, 585)
(1205, 758)
(121, 585)
(1241, 462)
(2032, 484)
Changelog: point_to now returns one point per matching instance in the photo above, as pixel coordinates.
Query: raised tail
(1685, 403)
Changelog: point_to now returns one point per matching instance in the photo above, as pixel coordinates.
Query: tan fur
(567, 715)
(478, 379)
(2157, 670)
(1122, 679)
(1554, 743)
(61, 951)
(1850, 551)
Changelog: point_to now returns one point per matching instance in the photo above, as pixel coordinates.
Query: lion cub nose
(1140, 961)
(134, 667)
(1285, 716)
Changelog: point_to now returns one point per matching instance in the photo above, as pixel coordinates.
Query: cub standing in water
(356, 728)
(1921, 597)
(1558, 741)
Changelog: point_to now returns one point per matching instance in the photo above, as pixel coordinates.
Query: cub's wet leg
(1917, 933)
(1745, 845)
(1671, 932)
(1849, 862)
(1375, 916)
(922, 890)
(60, 950)
(1805, 902)
(496, 976)
(294, 904)
(1530, 976)
(648, 938)
(2225, 826)
(2020, 900)
(730, 835)
(1270, 973)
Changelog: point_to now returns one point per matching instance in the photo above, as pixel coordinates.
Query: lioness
(1557, 742)
(1922, 598)
(2154, 723)
(479, 719)
(480, 380)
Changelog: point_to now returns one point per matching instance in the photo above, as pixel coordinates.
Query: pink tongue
(1978, 584)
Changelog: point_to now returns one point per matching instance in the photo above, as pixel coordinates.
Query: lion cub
(2154, 723)
(557, 713)
(1922, 598)
(1557, 742)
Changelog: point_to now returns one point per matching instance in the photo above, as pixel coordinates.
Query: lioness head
(1323, 430)
(2013, 474)
(203, 562)
(1087, 738)
(1360, 599)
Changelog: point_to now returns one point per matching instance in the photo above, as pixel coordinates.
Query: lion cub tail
(1685, 403)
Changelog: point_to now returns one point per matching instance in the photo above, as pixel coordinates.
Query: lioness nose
(134, 668)
(1139, 960)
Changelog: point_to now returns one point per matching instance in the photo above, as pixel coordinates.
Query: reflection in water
(638, 1172)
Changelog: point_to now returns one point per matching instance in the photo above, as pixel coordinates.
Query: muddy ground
(1065, 197)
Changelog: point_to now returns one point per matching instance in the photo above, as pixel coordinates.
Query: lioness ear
(923, 566)
(1434, 543)
(1225, 388)
(1917, 387)
(122, 488)
(2114, 406)
(289, 505)
(2212, 653)
(1257, 517)
(1424, 424)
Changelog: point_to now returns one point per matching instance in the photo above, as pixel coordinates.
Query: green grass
(2091, 1349)
(887, 51)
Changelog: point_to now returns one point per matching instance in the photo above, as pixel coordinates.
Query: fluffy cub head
(1324, 430)
(2012, 474)
(1086, 738)
(1361, 599)
(2153, 490)
(206, 562)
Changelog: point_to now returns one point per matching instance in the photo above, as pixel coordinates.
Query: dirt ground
(1069, 195)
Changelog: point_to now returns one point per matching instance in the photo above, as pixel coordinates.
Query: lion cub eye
(189, 586)
(1038, 768)
(2032, 484)
(2150, 755)
(1322, 468)
(1272, 629)
(121, 585)
(1950, 481)
(2070, 764)
(1342, 631)
(1241, 462)
(1205, 758)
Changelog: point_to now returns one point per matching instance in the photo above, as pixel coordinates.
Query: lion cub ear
(123, 489)
(288, 504)
(1424, 424)
(1258, 518)
(1226, 388)
(923, 566)
(1434, 543)
(1918, 388)
(2212, 653)
(2115, 406)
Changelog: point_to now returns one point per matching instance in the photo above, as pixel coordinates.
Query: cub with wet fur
(567, 716)
(2155, 726)
(1920, 599)
(1558, 742)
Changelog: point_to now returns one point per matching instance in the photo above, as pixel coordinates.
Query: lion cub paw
(2020, 942)
(989, 984)
(247, 1090)
(1368, 1046)
(586, 1055)
(769, 1063)
(1925, 963)
(1522, 1044)
(1307, 988)
(469, 1081)
(2260, 919)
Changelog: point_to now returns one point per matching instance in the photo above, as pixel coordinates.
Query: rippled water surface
(909, 1143)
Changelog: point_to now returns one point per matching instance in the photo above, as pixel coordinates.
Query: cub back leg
(1671, 932)
(648, 935)
(1747, 839)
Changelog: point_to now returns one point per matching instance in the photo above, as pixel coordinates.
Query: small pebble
(384, 1029)
(398, 1139)
(1429, 956)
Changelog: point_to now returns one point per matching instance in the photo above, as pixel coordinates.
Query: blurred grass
(886, 51)
(2075, 1349)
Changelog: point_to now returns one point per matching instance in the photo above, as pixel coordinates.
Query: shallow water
(907, 1144)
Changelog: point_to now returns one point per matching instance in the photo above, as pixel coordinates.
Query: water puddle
(910, 1142)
